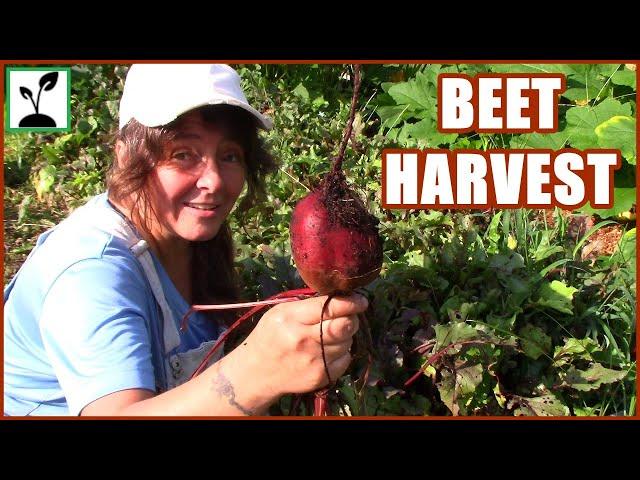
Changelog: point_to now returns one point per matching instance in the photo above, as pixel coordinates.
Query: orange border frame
(3, 64)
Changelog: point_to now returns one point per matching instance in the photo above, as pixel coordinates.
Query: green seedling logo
(47, 82)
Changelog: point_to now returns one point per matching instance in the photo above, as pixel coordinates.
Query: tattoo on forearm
(223, 387)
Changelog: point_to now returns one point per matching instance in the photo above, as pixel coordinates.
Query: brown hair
(212, 274)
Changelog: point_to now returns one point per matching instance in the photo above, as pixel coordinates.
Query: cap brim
(264, 122)
(149, 118)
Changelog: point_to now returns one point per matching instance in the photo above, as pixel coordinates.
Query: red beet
(334, 240)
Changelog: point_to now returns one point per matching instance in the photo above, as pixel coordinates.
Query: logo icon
(38, 99)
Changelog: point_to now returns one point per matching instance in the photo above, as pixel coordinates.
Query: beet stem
(337, 162)
(324, 358)
(321, 403)
(297, 294)
(436, 356)
(282, 297)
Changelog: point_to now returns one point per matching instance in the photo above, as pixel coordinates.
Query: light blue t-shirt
(81, 322)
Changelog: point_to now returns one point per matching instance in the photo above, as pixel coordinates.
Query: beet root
(334, 240)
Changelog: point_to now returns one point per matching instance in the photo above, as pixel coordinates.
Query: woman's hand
(282, 355)
(285, 345)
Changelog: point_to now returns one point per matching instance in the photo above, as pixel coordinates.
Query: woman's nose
(210, 177)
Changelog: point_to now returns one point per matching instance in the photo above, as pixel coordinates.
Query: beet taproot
(334, 240)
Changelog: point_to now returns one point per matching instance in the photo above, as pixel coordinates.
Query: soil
(344, 207)
(602, 242)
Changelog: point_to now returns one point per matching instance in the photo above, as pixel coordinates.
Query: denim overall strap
(114, 223)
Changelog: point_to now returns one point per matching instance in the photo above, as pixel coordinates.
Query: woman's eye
(183, 156)
(232, 157)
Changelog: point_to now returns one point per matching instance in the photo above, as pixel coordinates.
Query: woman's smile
(203, 210)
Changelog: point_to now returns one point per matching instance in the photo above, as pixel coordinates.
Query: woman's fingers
(291, 338)
(333, 352)
(338, 366)
(309, 311)
(337, 330)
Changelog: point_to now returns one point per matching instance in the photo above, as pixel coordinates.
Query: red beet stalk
(334, 239)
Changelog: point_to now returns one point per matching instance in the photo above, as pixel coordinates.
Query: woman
(91, 319)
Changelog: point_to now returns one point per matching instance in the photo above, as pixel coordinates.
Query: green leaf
(553, 141)
(492, 234)
(414, 258)
(469, 378)
(607, 69)
(418, 94)
(301, 92)
(582, 94)
(544, 252)
(546, 405)
(427, 131)
(52, 155)
(627, 246)
(447, 390)
(432, 71)
(553, 265)
(62, 140)
(588, 81)
(619, 132)
(319, 102)
(46, 179)
(585, 411)
(556, 295)
(534, 341)
(624, 77)
(544, 249)
(501, 399)
(456, 332)
(582, 121)
(623, 200)
(592, 378)
(574, 349)
(506, 264)
(531, 68)
(520, 289)
(113, 108)
(84, 127)
(393, 115)
(502, 324)
(456, 389)
(93, 121)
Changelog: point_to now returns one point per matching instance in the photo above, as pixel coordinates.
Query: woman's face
(198, 181)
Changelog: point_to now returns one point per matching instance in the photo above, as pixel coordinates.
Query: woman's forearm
(232, 386)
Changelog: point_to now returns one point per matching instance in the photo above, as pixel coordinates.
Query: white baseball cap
(157, 94)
